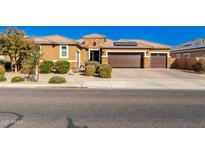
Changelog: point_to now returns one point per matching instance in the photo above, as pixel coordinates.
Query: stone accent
(104, 60)
(146, 62)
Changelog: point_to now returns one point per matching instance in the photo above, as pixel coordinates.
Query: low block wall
(186, 63)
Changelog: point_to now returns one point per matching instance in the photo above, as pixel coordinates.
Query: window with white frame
(186, 55)
(177, 55)
(63, 51)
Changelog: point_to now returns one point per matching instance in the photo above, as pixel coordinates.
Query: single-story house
(195, 48)
(120, 53)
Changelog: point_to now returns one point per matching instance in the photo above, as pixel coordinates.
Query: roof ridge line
(155, 42)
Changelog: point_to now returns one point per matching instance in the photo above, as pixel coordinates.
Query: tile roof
(54, 39)
(94, 36)
(57, 39)
(140, 44)
(198, 44)
(80, 40)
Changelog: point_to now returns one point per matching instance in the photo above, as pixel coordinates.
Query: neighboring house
(121, 53)
(194, 48)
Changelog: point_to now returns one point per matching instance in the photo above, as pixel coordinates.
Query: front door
(94, 55)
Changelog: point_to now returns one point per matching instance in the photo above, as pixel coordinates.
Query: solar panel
(125, 44)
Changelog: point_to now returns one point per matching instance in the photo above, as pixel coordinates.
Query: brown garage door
(158, 60)
(125, 60)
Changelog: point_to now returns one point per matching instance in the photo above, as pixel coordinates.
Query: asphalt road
(101, 108)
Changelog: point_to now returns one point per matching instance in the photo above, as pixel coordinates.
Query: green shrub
(90, 70)
(17, 79)
(105, 71)
(47, 66)
(199, 67)
(95, 63)
(62, 67)
(3, 78)
(57, 80)
(7, 65)
(2, 70)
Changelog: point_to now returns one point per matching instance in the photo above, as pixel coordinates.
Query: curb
(39, 86)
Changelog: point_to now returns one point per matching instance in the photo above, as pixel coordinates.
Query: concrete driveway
(151, 79)
(155, 74)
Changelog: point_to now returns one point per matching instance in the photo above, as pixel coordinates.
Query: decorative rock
(70, 72)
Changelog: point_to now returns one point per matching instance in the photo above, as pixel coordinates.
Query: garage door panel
(124, 60)
(158, 61)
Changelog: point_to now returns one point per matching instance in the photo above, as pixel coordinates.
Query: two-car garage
(135, 60)
(135, 54)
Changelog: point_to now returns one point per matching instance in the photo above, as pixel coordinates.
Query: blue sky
(171, 35)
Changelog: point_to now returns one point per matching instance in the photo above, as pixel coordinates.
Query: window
(94, 43)
(63, 51)
(186, 55)
(177, 55)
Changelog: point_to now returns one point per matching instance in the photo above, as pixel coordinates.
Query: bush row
(61, 67)
(102, 70)
(13, 80)
(47, 66)
(53, 80)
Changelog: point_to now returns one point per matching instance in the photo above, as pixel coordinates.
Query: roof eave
(194, 49)
(134, 48)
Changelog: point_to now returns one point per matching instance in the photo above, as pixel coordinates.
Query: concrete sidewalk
(192, 84)
(148, 84)
(30, 85)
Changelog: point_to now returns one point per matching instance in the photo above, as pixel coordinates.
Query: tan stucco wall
(89, 43)
(104, 60)
(84, 55)
(146, 62)
(158, 50)
(53, 53)
(171, 63)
